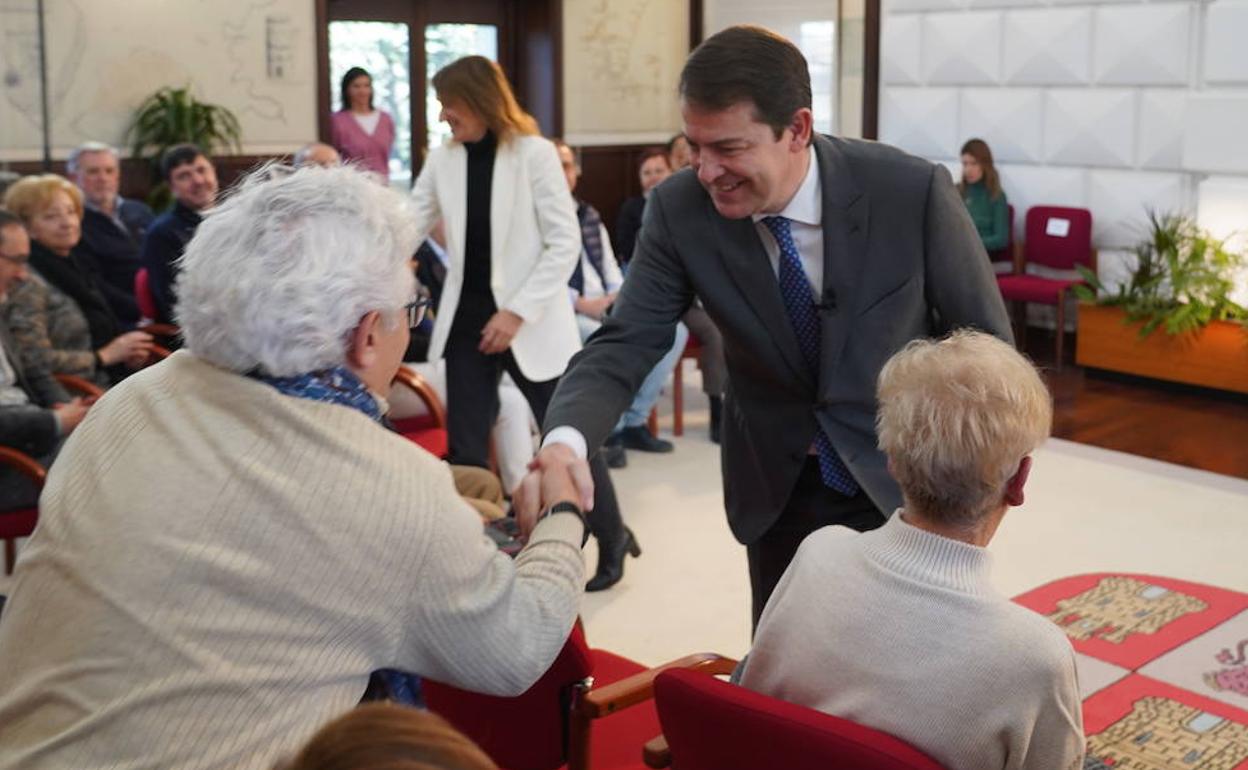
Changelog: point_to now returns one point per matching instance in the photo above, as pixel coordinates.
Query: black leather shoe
(611, 562)
(640, 438)
(614, 455)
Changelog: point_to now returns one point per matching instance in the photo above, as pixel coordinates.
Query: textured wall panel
(1047, 46)
(1161, 129)
(899, 50)
(1008, 119)
(1142, 44)
(1028, 186)
(1214, 131)
(905, 6)
(962, 47)
(1090, 127)
(1120, 201)
(1226, 28)
(923, 121)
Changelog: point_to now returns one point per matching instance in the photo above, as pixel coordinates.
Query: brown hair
(383, 736)
(653, 152)
(748, 64)
(31, 194)
(481, 85)
(978, 149)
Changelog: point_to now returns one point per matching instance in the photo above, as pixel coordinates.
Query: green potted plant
(1182, 283)
(174, 116)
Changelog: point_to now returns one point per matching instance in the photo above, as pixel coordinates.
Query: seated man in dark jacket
(113, 227)
(193, 182)
(35, 412)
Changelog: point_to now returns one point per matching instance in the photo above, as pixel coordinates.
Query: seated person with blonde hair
(257, 542)
(900, 629)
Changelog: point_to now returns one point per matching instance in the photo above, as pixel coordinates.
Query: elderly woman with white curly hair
(900, 629)
(231, 542)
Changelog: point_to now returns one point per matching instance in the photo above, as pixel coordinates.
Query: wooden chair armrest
(656, 753)
(1017, 257)
(23, 464)
(425, 391)
(160, 330)
(76, 384)
(1092, 260)
(639, 687)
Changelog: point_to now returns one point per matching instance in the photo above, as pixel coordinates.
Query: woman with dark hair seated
(61, 310)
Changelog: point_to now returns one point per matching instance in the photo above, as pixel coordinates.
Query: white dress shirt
(805, 213)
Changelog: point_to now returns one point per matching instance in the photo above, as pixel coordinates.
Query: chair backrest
(1006, 254)
(529, 731)
(1058, 237)
(143, 294)
(713, 725)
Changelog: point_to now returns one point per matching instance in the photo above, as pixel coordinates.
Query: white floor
(1087, 510)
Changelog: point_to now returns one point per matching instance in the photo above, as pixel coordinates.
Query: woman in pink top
(360, 133)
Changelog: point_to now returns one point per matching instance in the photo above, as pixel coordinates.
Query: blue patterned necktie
(799, 304)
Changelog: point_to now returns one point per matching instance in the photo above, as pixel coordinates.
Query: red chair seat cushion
(1032, 288)
(18, 523)
(424, 430)
(713, 725)
(617, 740)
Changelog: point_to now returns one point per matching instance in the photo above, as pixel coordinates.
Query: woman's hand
(499, 331)
(131, 348)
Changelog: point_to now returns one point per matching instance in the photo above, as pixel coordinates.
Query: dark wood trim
(871, 71)
(324, 99)
(696, 21)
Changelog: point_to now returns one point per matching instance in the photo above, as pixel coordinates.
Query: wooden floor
(1188, 426)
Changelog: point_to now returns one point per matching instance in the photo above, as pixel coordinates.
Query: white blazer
(535, 240)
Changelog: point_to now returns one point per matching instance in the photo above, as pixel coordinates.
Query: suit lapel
(747, 263)
(502, 198)
(845, 217)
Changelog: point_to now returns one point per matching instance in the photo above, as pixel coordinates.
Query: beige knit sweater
(218, 567)
(901, 630)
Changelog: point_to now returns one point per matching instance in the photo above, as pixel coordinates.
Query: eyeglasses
(21, 260)
(416, 310)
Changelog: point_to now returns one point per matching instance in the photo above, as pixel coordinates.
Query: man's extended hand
(556, 475)
(499, 331)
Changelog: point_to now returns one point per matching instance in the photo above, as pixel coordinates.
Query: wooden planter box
(1215, 357)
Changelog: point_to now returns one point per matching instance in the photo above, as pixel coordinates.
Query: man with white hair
(915, 641)
(317, 154)
(113, 227)
(258, 542)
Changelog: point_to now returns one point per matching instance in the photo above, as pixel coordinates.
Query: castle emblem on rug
(1117, 607)
(1232, 679)
(1162, 734)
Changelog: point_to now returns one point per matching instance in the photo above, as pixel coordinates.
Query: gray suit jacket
(902, 260)
(30, 428)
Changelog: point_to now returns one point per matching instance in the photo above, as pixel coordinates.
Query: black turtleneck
(476, 290)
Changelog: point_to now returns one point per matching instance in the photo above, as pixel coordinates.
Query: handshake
(556, 475)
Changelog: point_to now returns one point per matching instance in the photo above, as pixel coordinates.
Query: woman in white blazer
(513, 241)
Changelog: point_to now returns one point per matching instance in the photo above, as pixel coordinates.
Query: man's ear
(1014, 486)
(362, 347)
(802, 125)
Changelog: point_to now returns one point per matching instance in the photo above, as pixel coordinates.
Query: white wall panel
(905, 6)
(1047, 46)
(1215, 128)
(1160, 143)
(923, 121)
(1120, 201)
(1094, 127)
(899, 50)
(1008, 119)
(1027, 186)
(1142, 44)
(962, 47)
(1226, 27)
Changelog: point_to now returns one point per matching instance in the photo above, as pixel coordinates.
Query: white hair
(955, 419)
(75, 155)
(278, 276)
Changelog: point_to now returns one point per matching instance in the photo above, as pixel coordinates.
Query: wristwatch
(566, 507)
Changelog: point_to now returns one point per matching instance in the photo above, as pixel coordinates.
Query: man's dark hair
(178, 155)
(748, 64)
(8, 219)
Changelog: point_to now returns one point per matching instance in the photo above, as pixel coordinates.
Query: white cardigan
(535, 240)
(219, 566)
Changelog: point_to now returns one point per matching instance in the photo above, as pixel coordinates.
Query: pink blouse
(369, 151)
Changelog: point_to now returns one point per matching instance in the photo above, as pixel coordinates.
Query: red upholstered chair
(147, 308)
(560, 720)
(713, 725)
(428, 430)
(1058, 238)
(20, 522)
(693, 348)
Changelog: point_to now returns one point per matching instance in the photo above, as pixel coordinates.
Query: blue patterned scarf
(338, 385)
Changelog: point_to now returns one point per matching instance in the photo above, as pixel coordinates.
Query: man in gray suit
(818, 258)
